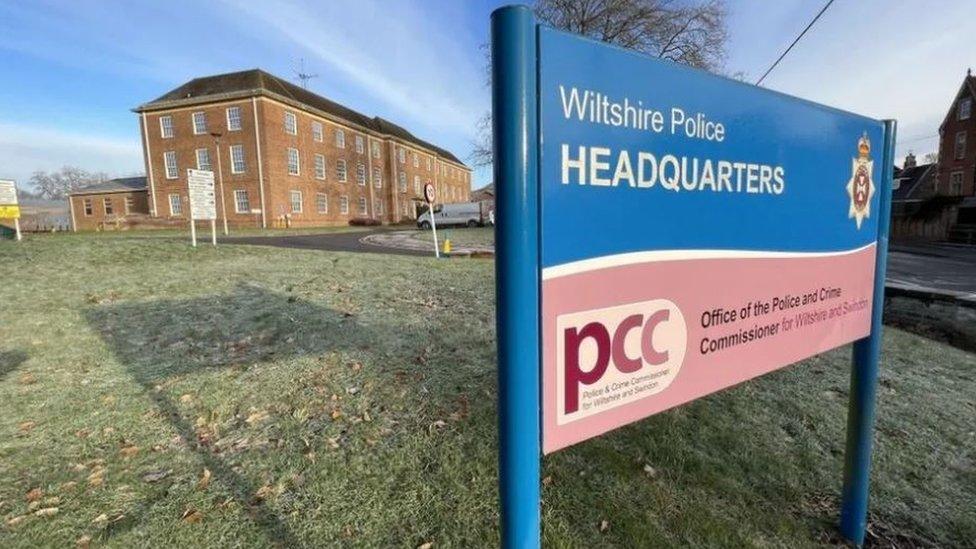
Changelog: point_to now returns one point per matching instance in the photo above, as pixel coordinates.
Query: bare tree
(692, 33)
(57, 185)
(932, 158)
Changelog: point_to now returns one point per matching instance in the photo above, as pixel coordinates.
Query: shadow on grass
(10, 361)
(164, 339)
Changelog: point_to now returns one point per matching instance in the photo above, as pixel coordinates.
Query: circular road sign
(429, 193)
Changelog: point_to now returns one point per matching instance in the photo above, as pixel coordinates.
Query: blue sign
(665, 233)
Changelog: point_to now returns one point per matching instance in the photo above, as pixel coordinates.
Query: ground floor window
(344, 204)
(362, 206)
(175, 206)
(322, 203)
(89, 210)
(296, 202)
(241, 202)
(378, 207)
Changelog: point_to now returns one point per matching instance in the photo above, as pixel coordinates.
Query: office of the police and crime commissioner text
(601, 166)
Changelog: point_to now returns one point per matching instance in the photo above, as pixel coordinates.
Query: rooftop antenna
(304, 76)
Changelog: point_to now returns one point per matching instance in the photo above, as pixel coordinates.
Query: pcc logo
(608, 357)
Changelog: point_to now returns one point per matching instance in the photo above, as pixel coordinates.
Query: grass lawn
(156, 395)
(461, 236)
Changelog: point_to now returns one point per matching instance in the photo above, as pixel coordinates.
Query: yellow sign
(9, 212)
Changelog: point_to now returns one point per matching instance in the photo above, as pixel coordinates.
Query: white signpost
(430, 194)
(203, 202)
(8, 203)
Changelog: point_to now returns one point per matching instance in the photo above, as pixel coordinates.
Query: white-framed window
(362, 205)
(403, 182)
(428, 163)
(175, 205)
(341, 170)
(416, 160)
(416, 184)
(166, 126)
(359, 144)
(319, 166)
(233, 119)
(378, 206)
(965, 108)
(955, 183)
(317, 134)
(107, 204)
(237, 164)
(291, 123)
(377, 178)
(242, 204)
(199, 123)
(296, 201)
(169, 160)
(960, 151)
(376, 149)
(402, 155)
(321, 203)
(361, 174)
(294, 165)
(344, 205)
(340, 139)
(203, 160)
(89, 208)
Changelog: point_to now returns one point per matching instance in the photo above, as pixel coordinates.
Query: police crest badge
(860, 188)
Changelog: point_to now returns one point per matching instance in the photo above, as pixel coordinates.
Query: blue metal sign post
(663, 234)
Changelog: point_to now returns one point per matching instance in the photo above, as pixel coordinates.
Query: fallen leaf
(46, 512)
(336, 414)
(97, 478)
(27, 378)
(34, 494)
(192, 516)
(155, 476)
(352, 390)
(546, 481)
(82, 433)
(68, 486)
(26, 427)
(129, 451)
(100, 519)
(52, 501)
(14, 521)
(186, 399)
(356, 366)
(256, 417)
(426, 545)
(83, 542)
(604, 525)
(204, 480)
(650, 471)
(264, 492)
(108, 400)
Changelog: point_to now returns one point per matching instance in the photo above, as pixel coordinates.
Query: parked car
(462, 214)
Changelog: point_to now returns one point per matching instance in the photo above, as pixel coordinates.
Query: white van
(461, 214)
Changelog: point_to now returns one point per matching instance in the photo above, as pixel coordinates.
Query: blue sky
(72, 70)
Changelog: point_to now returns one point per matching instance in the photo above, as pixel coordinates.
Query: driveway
(335, 242)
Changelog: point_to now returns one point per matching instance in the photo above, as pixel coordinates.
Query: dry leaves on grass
(604, 525)
(155, 476)
(27, 378)
(25, 427)
(46, 512)
(426, 545)
(97, 477)
(204, 481)
(256, 417)
(129, 451)
(84, 542)
(34, 494)
(191, 516)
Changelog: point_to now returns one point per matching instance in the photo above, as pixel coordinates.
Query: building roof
(484, 193)
(122, 184)
(968, 84)
(911, 180)
(257, 81)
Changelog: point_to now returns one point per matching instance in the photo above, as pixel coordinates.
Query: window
(340, 139)
(169, 160)
(175, 206)
(203, 160)
(237, 159)
(362, 206)
(376, 149)
(130, 204)
(319, 166)
(294, 167)
(344, 205)
(166, 126)
(377, 178)
(296, 202)
(359, 144)
(322, 203)
(341, 170)
(955, 183)
(378, 207)
(233, 119)
(416, 184)
(428, 163)
(965, 108)
(107, 204)
(402, 155)
(89, 209)
(960, 146)
(403, 182)
(317, 131)
(361, 174)
(416, 160)
(291, 123)
(241, 203)
(199, 123)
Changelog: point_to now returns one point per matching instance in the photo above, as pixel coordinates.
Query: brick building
(957, 143)
(283, 155)
(109, 204)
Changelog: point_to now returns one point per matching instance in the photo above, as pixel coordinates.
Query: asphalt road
(942, 268)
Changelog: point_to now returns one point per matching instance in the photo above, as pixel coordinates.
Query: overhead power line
(797, 39)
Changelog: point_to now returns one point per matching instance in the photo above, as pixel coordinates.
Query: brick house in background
(287, 156)
(108, 204)
(957, 143)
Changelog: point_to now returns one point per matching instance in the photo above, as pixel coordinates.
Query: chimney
(909, 161)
